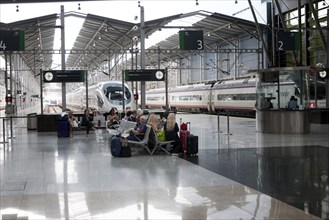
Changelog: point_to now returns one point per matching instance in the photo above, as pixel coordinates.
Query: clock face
(159, 74)
(49, 76)
(322, 74)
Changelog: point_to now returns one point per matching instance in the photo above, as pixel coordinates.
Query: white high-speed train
(236, 96)
(103, 97)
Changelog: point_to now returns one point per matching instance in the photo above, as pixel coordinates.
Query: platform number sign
(12, 40)
(191, 40)
(288, 41)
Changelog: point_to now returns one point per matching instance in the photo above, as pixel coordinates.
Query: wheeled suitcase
(115, 147)
(192, 145)
(183, 137)
(125, 151)
(62, 128)
(183, 133)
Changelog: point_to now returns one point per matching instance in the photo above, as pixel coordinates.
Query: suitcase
(192, 145)
(184, 133)
(192, 142)
(125, 151)
(183, 136)
(62, 128)
(116, 147)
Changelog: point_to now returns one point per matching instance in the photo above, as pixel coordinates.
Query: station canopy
(101, 38)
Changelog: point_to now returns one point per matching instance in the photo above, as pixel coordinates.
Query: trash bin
(32, 121)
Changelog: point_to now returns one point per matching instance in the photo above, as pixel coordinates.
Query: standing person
(171, 130)
(292, 104)
(87, 121)
(71, 120)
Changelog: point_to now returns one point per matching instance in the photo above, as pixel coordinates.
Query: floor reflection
(295, 175)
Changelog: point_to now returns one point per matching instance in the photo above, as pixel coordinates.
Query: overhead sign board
(56, 76)
(12, 40)
(288, 41)
(270, 76)
(145, 75)
(191, 40)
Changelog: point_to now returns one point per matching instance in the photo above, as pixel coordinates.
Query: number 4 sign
(2, 45)
(12, 40)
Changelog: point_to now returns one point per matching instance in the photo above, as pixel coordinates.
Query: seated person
(268, 104)
(87, 121)
(71, 120)
(133, 116)
(112, 119)
(153, 122)
(138, 133)
(292, 104)
(171, 130)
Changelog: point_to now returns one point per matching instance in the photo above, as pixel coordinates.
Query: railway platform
(237, 174)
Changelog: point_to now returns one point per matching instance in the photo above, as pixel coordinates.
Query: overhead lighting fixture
(17, 8)
(99, 37)
(196, 2)
(139, 3)
(236, 1)
(324, 3)
(79, 8)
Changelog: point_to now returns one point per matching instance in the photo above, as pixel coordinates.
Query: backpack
(183, 126)
(116, 147)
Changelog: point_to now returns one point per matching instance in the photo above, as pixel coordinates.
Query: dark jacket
(173, 134)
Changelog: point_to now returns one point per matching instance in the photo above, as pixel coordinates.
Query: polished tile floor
(238, 174)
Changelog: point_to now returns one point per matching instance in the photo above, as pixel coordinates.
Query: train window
(116, 96)
(229, 97)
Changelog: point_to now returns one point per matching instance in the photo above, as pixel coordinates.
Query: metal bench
(144, 142)
(162, 145)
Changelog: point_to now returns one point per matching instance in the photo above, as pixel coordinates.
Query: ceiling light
(17, 8)
(236, 1)
(79, 8)
(196, 2)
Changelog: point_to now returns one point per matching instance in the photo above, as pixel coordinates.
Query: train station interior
(229, 76)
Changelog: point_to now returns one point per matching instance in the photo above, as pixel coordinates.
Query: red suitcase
(184, 132)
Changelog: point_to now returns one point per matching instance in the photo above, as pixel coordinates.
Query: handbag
(161, 136)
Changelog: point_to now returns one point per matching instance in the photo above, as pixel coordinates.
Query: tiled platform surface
(43, 177)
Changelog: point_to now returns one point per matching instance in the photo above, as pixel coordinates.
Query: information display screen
(55, 76)
(145, 75)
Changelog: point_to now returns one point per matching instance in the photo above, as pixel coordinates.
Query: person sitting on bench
(137, 133)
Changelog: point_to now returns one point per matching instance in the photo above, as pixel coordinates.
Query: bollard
(11, 127)
(218, 122)
(228, 123)
(4, 131)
